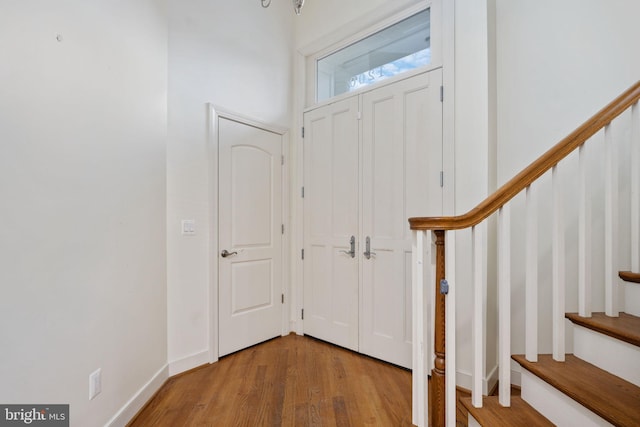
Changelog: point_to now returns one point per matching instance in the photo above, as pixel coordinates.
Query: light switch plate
(188, 227)
(95, 384)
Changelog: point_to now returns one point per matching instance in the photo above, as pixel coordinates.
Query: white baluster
(584, 238)
(450, 337)
(420, 347)
(558, 280)
(504, 305)
(531, 283)
(635, 188)
(610, 226)
(477, 238)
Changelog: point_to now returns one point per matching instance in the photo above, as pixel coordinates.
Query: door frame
(214, 113)
(444, 29)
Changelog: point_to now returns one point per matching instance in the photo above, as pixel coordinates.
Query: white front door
(249, 235)
(371, 162)
(330, 222)
(401, 164)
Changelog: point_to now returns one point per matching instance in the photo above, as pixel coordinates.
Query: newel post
(437, 391)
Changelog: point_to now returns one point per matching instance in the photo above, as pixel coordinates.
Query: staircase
(598, 383)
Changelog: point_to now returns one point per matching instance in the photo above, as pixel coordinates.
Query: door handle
(225, 253)
(352, 252)
(367, 252)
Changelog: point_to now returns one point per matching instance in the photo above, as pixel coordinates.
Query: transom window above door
(401, 47)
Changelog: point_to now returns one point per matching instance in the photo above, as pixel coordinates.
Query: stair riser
(555, 405)
(632, 298)
(472, 422)
(618, 357)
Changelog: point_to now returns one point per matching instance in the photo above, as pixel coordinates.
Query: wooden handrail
(535, 170)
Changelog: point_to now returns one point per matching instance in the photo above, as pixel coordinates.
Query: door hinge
(282, 160)
(359, 115)
(441, 178)
(302, 192)
(303, 314)
(302, 254)
(444, 287)
(283, 298)
(282, 228)
(441, 93)
(303, 131)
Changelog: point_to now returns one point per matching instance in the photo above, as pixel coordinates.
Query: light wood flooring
(288, 381)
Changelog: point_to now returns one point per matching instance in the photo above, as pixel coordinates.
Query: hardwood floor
(462, 414)
(288, 381)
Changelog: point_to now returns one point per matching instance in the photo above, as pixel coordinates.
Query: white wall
(236, 55)
(474, 145)
(334, 19)
(82, 190)
(557, 64)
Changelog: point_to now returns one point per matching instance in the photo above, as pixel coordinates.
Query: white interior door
(401, 164)
(330, 221)
(250, 239)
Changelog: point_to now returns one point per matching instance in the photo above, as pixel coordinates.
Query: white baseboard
(464, 380)
(516, 377)
(179, 366)
(294, 327)
(491, 380)
(131, 408)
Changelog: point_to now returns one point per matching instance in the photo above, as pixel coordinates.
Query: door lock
(367, 252)
(352, 252)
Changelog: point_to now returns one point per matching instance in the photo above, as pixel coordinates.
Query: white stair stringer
(556, 406)
(612, 355)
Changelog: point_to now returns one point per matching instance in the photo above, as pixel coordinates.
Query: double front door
(370, 162)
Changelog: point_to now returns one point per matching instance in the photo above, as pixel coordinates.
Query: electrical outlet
(95, 384)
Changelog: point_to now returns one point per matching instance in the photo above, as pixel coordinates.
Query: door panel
(401, 163)
(250, 216)
(331, 218)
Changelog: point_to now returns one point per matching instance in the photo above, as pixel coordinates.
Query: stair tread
(520, 413)
(605, 394)
(625, 328)
(629, 276)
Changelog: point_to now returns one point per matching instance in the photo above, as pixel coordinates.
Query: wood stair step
(628, 276)
(625, 328)
(520, 413)
(609, 396)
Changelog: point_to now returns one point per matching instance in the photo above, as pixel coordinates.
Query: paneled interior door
(371, 162)
(249, 235)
